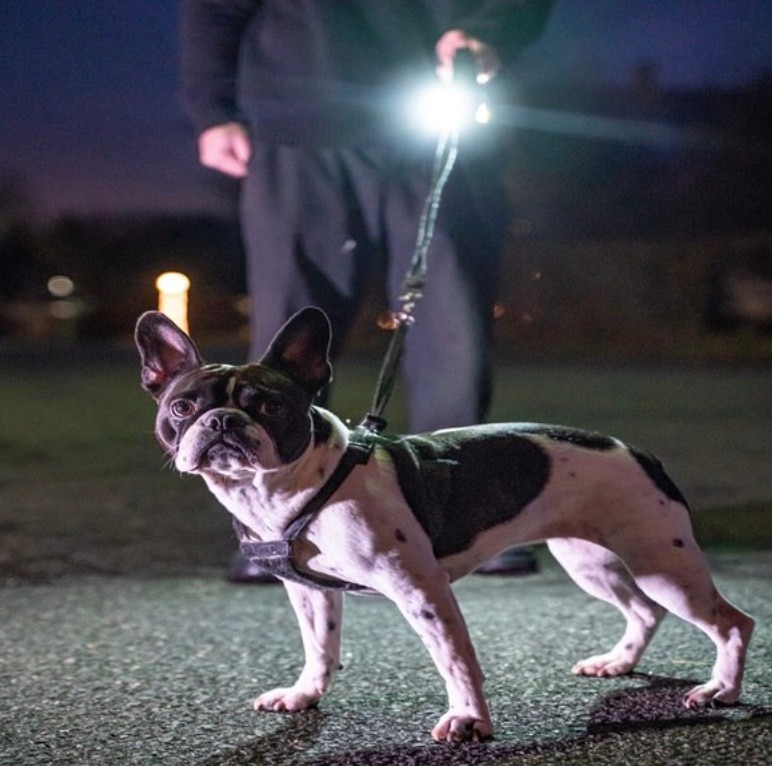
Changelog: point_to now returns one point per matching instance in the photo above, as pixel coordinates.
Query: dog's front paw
(457, 726)
(287, 700)
(604, 666)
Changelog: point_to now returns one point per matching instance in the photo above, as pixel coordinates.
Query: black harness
(277, 556)
(425, 472)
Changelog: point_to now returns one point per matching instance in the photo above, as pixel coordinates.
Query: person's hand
(225, 148)
(486, 58)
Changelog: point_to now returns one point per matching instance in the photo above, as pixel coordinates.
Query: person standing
(305, 101)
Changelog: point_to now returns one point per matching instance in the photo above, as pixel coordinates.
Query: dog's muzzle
(223, 440)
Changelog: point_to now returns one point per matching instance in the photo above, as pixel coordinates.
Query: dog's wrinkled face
(227, 420)
(230, 419)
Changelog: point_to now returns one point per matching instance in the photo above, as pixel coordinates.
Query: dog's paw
(459, 727)
(287, 700)
(604, 666)
(711, 693)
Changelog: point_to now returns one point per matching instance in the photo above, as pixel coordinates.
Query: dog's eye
(271, 407)
(182, 408)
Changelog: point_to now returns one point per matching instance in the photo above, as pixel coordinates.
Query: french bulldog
(409, 515)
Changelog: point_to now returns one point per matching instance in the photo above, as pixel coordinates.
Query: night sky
(91, 122)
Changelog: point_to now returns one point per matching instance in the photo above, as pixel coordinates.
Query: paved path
(161, 671)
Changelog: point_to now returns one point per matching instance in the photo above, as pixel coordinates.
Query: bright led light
(447, 107)
(483, 114)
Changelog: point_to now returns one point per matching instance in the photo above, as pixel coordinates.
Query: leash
(416, 276)
(415, 280)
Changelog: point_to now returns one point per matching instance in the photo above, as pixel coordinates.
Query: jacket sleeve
(210, 38)
(507, 25)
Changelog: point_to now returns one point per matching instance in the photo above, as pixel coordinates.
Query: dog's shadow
(283, 747)
(657, 705)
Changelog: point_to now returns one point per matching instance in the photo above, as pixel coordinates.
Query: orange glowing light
(387, 321)
(173, 297)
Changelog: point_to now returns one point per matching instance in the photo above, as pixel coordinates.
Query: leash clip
(373, 423)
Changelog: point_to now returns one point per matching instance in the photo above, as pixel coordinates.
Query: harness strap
(277, 556)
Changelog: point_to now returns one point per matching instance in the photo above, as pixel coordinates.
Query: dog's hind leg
(681, 582)
(731, 631)
(602, 574)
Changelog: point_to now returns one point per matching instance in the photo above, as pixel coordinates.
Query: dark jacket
(326, 72)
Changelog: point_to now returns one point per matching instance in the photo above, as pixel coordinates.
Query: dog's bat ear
(165, 351)
(301, 349)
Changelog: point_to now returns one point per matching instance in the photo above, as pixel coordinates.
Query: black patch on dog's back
(460, 483)
(587, 439)
(656, 472)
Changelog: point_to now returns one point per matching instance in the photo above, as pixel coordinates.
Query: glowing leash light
(443, 107)
(173, 297)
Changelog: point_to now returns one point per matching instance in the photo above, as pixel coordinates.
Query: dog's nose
(223, 421)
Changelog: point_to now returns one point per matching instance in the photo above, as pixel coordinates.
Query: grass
(744, 526)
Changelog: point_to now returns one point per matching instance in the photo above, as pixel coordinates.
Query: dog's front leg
(435, 615)
(319, 614)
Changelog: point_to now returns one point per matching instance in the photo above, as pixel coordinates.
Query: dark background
(635, 122)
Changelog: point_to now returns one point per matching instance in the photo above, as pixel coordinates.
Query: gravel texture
(116, 670)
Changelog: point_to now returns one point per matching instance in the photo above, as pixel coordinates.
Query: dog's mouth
(227, 452)
(230, 454)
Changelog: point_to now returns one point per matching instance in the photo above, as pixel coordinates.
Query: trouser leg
(297, 226)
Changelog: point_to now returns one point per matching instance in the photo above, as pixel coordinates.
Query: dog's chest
(267, 502)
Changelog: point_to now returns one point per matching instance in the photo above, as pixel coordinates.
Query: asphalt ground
(162, 671)
(121, 643)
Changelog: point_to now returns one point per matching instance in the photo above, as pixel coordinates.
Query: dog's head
(231, 421)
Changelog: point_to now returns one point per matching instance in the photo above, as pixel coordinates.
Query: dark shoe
(513, 562)
(241, 570)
